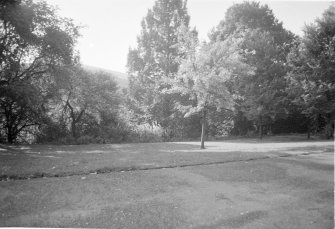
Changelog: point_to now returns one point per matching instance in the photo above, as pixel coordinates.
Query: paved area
(252, 185)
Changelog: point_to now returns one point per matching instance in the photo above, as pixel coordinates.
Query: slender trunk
(329, 127)
(308, 130)
(74, 129)
(73, 125)
(261, 129)
(333, 128)
(74, 119)
(203, 127)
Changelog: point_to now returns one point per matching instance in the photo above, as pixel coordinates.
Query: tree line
(253, 77)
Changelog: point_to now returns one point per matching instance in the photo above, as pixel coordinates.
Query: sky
(111, 27)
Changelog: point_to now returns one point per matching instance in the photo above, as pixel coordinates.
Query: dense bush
(52, 132)
(146, 133)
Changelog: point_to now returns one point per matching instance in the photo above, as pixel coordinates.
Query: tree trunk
(333, 128)
(309, 130)
(261, 129)
(74, 129)
(10, 137)
(329, 128)
(203, 127)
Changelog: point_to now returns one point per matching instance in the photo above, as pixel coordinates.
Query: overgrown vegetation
(252, 77)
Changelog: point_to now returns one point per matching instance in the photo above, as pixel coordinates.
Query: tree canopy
(157, 58)
(312, 70)
(205, 74)
(264, 44)
(252, 77)
(34, 44)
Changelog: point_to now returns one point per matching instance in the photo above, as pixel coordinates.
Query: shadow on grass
(95, 148)
(271, 139)
(38, 161)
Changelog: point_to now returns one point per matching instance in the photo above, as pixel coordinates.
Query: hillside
(121, 78)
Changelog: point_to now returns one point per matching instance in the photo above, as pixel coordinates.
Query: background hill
(121, 78)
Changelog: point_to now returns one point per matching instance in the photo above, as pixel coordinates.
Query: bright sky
(113, 25)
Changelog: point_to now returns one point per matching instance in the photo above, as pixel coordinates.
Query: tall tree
(155, 59)
(265, 44)
(34, 43)
(204, 76)
(312, 71)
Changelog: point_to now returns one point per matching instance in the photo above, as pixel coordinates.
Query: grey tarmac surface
(291, 191)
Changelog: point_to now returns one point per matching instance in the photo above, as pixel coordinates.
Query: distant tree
(155, 59)
(86, 96)
(34, 44)
(265, 43)
(263, 94)
(204, 76)
(250, 15)
(312, 71)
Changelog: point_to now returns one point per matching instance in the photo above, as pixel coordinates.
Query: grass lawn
(274, 183)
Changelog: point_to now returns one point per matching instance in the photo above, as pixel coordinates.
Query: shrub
(51, 132)
(86, 139)
(146, 133)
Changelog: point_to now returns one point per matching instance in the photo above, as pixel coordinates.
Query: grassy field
(280, 182)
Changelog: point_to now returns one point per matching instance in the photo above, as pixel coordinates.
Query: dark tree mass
(252, 78)
(34, 44)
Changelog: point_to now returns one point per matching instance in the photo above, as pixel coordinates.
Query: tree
(312, 70)
(265, 43)
(249, 15)
(204, 76)
(21, 110)
(34, 44)
(156, 59)
(264, 98)
(86, 96)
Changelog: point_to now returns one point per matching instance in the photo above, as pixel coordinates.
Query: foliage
(147, 133)
(312, 70)
(204, 76)
(264, 44)
(34, 43)
(252, 76)
(157, 58)
(51, 131)
(250, 15)
(86, 99)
